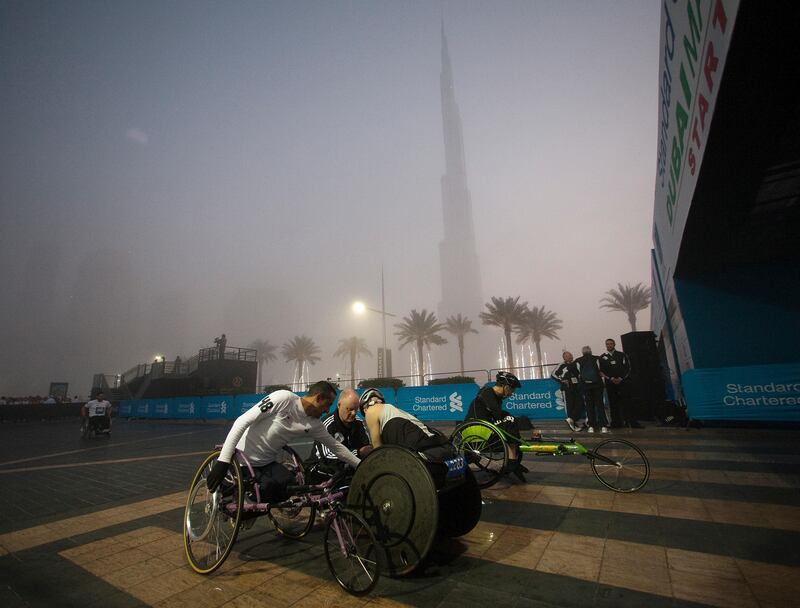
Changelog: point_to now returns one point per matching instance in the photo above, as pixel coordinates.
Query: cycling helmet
(507, 379)
(370, 397)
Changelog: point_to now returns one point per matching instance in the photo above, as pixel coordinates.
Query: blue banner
(438, 402)
(186, 407)
(538, 400)
(214, 408)
(755, 393)
(242, 403)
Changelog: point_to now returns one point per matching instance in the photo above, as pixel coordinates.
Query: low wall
(537, 399)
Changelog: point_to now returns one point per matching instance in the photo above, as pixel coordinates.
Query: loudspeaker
(646, 382)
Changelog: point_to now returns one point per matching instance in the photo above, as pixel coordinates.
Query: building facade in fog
(462, 291)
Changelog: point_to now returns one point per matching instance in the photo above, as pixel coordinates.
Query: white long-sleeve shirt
(263, 430)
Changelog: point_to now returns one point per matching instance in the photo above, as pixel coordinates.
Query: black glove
(216, 475)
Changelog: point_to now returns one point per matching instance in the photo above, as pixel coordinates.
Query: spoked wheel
(211, 519)
(484, 449)
(619, 465)
(352, 552)
(85, 430)
(296, 520)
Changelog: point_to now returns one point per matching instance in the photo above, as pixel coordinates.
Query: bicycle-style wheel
(352, 552)
(619, 465)
(483, 448)
(296, 519)
(211, 519)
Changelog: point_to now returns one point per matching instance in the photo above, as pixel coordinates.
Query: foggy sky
(171, 171)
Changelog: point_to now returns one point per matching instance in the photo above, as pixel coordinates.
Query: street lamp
(360, 308)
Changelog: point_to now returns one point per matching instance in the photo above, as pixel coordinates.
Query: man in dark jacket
(591, 382)
(616, 369)
(568, 377)
(343, 425)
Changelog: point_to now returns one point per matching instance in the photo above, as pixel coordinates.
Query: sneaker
(604, 430)
(523, 468)
(590, 429)
(520, 475)
(571, 424)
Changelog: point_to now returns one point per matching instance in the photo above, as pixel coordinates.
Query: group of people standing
(583, 382)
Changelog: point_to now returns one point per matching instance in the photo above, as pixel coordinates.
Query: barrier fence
(19, 412)
(537, 399)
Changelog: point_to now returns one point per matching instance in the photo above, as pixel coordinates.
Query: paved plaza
(98, 523)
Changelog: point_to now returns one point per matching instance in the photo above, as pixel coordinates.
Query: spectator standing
(616, 370)
(568, 377)
(591, 382)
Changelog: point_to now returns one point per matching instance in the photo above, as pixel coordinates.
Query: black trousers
(273, 479)
(593, 398)
(574, 402)
(618, 403)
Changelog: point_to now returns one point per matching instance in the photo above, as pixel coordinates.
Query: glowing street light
(360, 308)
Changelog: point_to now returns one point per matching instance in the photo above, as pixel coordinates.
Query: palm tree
(459, 326)
(265, 353)
(538, 323)
(505, 313)
(422, 329)
(301, 350)
(628, 299)
(352, 348)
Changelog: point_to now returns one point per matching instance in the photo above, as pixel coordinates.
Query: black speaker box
(646, 382)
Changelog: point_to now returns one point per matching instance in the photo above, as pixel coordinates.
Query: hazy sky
(174, 170)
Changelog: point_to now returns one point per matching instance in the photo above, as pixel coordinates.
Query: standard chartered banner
(439, 402)
(758, 393)
(536, 399)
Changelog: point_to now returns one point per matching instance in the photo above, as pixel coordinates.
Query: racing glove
(216, 475)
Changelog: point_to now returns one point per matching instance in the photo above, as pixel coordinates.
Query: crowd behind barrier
(537, 399)
(24, 412)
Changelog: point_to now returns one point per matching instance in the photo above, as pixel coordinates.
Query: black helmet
(370, 397)
(507, 379)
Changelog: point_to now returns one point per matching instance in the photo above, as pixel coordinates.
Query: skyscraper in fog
(458, 257)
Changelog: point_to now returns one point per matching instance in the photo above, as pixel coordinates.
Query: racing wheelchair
(384, 519)
(91, 426)
(616, 463)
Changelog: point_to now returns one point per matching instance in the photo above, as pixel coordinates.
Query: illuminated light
(359, 308)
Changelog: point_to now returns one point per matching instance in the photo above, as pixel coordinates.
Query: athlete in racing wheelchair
(488, 405)
(262, 432)
(459, 497)
(96, 417)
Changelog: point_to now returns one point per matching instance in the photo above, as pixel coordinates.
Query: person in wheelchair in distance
(389, 425)
(262, 431)
(96, 414)
(488, 405)
(343, 426)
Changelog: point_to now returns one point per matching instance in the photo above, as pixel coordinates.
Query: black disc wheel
(211, 519)
(460, 507)
(483, 448)
(393, 491)
(352, 552)
(296, 519)
(620, 465)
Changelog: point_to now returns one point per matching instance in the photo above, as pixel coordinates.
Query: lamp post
(360, 308)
